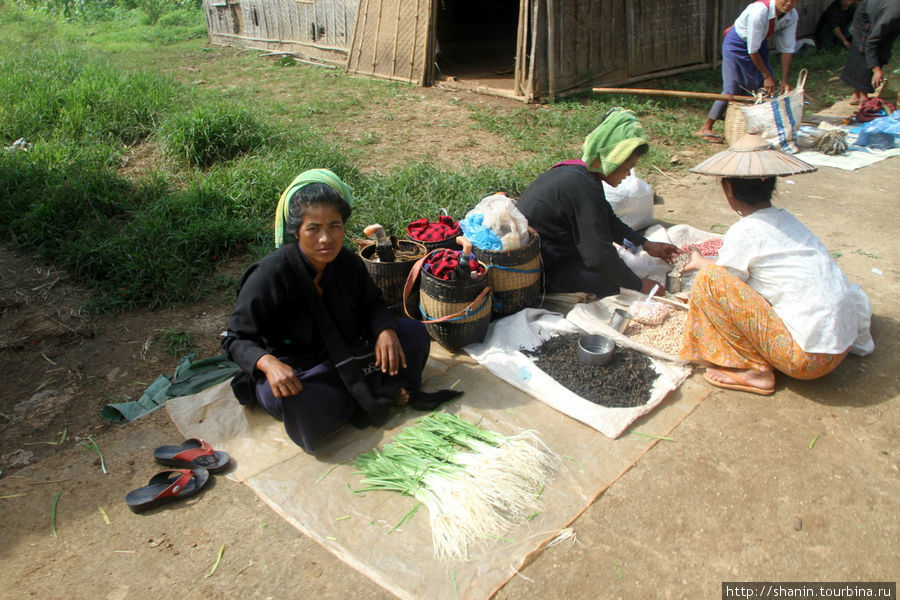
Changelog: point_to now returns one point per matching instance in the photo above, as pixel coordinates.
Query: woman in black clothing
(568, 208)
(276, 338)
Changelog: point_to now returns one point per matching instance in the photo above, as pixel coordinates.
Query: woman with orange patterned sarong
(774, 299)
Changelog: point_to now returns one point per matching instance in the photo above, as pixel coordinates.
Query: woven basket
(390, 277)
(735, 123)
(456, 312)
(514, 276)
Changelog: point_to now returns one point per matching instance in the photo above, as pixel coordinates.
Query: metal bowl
(595, 350)
(620, 319)
(673, 283)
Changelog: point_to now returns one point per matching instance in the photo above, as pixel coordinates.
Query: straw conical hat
(752, 156)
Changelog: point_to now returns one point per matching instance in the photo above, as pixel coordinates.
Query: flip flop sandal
(741, 387)
(193, 453)
(711, 138)
(167, 486)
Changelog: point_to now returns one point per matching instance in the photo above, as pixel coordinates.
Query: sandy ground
(800, 486)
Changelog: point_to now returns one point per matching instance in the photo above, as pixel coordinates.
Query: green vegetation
(90, 82)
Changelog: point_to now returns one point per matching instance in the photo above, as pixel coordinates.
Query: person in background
(875, 27)
(745, 55)
(566, 205)
(774, 299)
(834, 25)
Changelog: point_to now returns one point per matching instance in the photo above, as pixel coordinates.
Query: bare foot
(747, 380)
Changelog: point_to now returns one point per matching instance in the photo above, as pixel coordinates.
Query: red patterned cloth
(445, 264)
(425, 231)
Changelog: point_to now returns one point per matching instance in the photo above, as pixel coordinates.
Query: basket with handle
(791, 109)
(455, 312)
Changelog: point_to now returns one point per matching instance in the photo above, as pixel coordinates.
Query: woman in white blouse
(775, 299)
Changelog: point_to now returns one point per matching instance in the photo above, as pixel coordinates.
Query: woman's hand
(281, 377)
(785, 88)
(877, 76)
(647, 286)
(666, 252)
(697, 261)
(389, 355)
(769, 85)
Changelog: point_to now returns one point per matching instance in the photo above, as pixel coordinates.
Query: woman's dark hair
(752, 191)
(311, 194)
(641, 150)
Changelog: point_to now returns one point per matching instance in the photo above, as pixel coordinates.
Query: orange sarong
(731, 325)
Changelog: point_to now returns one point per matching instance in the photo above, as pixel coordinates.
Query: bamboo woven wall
(609, 42)
(578, 42)
(318, 30)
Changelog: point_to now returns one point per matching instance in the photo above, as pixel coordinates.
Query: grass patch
(86, 81)
(214, 133)
(176, 342)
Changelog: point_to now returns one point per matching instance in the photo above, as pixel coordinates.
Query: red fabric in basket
(425, 231)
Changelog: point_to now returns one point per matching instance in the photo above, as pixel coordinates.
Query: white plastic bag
(632, 201)
(503, 218)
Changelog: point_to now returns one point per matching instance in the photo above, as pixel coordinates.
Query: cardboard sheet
(313, 492)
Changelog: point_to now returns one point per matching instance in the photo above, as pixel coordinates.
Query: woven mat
(313, 492)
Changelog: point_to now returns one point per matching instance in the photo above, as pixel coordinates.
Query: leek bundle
(475, 483)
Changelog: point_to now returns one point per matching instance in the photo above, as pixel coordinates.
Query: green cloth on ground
(312, 176)
(613, 141)
(190, 377)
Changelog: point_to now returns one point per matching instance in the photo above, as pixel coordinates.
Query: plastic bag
(632, 201)
(500, 216)
(649, 312)
(481, 237)
(881, 133)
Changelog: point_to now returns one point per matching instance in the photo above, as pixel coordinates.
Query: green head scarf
(282, 236)
(613, 141)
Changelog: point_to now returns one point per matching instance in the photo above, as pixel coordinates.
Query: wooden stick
(672, 93)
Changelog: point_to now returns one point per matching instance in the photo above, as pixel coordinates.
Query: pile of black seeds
(624, 381)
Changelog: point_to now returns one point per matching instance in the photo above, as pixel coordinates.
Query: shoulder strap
(337, 347)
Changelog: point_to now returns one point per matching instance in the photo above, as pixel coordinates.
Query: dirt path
(799, 486)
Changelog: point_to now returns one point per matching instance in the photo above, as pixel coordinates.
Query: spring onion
(475, 483)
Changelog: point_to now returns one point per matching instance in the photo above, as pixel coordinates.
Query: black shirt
(272, 316)
(567, 207)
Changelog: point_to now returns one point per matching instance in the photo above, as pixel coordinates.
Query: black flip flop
(711, 138)
(193, 453)
(167, 486)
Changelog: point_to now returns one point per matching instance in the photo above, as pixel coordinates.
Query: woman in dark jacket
(568, 208)
(875, 27)
(276, 337)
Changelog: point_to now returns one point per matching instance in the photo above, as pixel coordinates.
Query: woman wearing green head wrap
(567, 207)
(305, 311)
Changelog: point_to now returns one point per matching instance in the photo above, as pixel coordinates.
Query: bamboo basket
(735, 123)
(456, 312)
(515, 276)
(390, 277)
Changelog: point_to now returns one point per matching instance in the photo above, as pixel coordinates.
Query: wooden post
(551, 52)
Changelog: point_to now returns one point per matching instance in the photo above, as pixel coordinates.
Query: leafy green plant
(176, 342)
(210, 133)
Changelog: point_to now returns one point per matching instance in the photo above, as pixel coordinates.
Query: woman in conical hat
(774, 299)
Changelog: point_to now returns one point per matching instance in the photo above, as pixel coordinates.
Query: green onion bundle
(475, 483)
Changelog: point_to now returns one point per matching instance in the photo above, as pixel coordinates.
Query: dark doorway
(476, 41)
